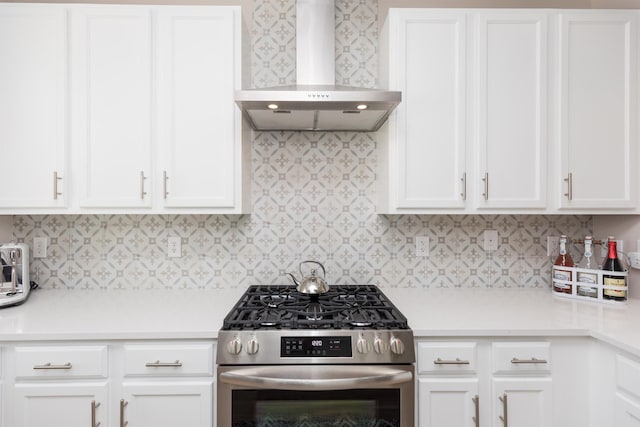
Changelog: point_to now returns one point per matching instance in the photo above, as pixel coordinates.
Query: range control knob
(234, 346)
(363, 345)
(397, 346)
(252, 345)
(380, 346)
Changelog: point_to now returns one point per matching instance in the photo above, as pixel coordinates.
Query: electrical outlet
(39, 247)
(634, 259)
(422, 245)
(553, 243)
(490, 240)
(174, 247)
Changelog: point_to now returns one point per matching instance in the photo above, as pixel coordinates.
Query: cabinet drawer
(446, 357)
(628, 375)
(521, 358)
(168, 359)
(61, 362)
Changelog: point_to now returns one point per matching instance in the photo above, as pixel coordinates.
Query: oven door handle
(309, 377)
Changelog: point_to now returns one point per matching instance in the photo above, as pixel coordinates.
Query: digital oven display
(315, 347)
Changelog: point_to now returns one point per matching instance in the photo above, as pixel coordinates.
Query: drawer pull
(123, 403)
(503, 417)
(50, 366)
(532, 360)
(159, 364)
(94, 405)
(476, 418)
(457, 361)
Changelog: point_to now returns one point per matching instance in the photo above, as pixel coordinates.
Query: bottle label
(561, 274)
(615, 281)
(587, 278)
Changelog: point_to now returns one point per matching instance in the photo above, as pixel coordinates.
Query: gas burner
(360, 318)
(314, 311)
(342, 307)
(275, 301)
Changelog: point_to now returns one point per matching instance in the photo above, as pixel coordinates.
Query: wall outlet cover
(490, 240)
(422, 246)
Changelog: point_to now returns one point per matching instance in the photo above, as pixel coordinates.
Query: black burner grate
(342, 307)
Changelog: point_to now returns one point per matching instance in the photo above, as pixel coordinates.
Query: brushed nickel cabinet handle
(464, 186)
(123, 403)
(532, 360)
(94, 405)
(50, 366)
(569, 181)
(159, 364)
(56, 178)
(142, 180)
(476, 418)
(486, 186)
(164, 184)
(503, 417)
(457, 361)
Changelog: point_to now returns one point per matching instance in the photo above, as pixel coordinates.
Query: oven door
(316, 395)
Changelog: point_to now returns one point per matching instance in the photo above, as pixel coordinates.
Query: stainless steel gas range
(343, 357)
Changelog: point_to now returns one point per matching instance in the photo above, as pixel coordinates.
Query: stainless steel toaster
(14, 279)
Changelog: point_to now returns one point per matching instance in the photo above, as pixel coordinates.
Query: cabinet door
(427, 144)
(627, 411)
(168, 404)
(511, 110)
(69, 405)
(199, 123)
(33, 106)
(525, 402)
(598, 112)
(448, 402)
(111, 101)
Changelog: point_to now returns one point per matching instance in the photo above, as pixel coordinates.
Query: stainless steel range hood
(316, 103)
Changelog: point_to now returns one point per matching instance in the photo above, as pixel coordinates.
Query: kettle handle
(324, 273)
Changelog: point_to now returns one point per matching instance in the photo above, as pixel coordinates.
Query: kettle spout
(295, 281)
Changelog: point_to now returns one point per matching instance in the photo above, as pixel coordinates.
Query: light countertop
(198, 314)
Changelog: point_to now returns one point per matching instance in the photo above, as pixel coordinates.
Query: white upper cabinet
(111, 99)
(423, 154)
(200, 129)
(33, 106)
(598, 110)
(150, 102)
(511, 110)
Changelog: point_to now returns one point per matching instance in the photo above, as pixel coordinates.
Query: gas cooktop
(342, 307)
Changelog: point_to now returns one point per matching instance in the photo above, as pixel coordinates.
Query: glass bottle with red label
(613, 264)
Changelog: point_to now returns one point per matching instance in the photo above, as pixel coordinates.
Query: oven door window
(286, 408)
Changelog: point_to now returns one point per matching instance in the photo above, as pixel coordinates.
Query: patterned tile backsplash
(313, 198)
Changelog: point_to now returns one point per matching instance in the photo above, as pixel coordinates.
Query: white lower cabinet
(66, 404)
(484, 383)
(160, 383)
(627, 396)
(448, 401)
(523, 402)
(151, 394)
(167, 404)
(627, 411)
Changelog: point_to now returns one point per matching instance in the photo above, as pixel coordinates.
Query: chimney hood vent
(316, 103)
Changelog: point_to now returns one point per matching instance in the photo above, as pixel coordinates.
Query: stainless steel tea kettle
(312, 284)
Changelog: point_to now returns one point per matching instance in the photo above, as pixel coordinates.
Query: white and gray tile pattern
(313, 198)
